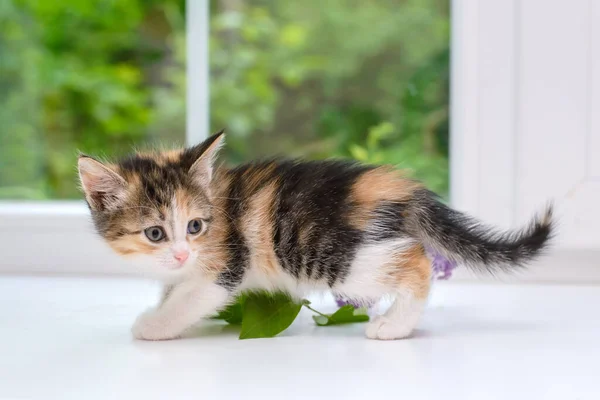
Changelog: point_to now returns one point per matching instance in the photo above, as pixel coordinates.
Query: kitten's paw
(150, 326)
(383, 328)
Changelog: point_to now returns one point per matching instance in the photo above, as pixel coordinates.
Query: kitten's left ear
(204, 155)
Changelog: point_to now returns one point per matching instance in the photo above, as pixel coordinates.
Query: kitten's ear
(104, 188)
(204, 155)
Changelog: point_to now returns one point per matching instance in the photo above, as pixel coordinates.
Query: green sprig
(265, 315)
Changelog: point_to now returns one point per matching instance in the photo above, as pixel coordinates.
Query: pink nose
(182, 256)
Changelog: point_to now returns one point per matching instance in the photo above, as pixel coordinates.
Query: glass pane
(347, 78)
(99, 76)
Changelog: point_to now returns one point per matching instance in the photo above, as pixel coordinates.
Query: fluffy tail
(463, 239)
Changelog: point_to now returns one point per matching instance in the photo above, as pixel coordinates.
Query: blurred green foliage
(344, 78)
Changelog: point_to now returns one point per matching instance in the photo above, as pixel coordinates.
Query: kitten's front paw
(150, 326)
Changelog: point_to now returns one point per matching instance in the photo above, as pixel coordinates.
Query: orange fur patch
(162, 157)
(375, 186)
(255, 176)
(131, 244)
(214, 257)
(257, 225)
(411, 269)
(171, 155)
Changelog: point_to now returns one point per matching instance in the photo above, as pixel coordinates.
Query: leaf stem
(315, 311)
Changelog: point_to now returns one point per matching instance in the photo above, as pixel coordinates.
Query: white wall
(526, 108)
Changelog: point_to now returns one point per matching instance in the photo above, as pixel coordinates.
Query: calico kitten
(356, 230)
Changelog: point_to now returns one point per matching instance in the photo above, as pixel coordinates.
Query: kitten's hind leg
(410, 280)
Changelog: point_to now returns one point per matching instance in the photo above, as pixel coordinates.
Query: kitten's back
(314, 215)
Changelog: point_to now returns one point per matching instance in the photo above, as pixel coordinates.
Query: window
(85, 75)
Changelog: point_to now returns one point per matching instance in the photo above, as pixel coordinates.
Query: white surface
(68, 338)
(526, 110)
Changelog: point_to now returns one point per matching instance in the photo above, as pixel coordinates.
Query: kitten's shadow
(208, 330)
(212, 329)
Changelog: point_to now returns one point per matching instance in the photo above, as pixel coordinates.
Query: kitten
(356, 230)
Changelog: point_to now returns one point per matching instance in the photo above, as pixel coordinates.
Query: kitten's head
(154, 208)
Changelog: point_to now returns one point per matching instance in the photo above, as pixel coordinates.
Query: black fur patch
(238, 252)
(313, 201)
(388, 221)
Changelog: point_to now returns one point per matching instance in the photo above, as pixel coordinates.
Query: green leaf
(268, 315)
(232, 314)
(345, 315)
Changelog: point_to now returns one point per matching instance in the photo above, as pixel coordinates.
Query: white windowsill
(43, 214)
(54, 237)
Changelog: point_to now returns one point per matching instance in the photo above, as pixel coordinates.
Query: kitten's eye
(155, 233)
(195, 226)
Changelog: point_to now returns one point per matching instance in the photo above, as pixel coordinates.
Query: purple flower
(441, 267)
(341, 301)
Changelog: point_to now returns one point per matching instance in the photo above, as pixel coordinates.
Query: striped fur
(357, 230)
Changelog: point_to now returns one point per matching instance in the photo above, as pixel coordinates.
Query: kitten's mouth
(178, 266)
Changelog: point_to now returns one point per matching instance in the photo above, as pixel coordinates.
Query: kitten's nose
(181, 256)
